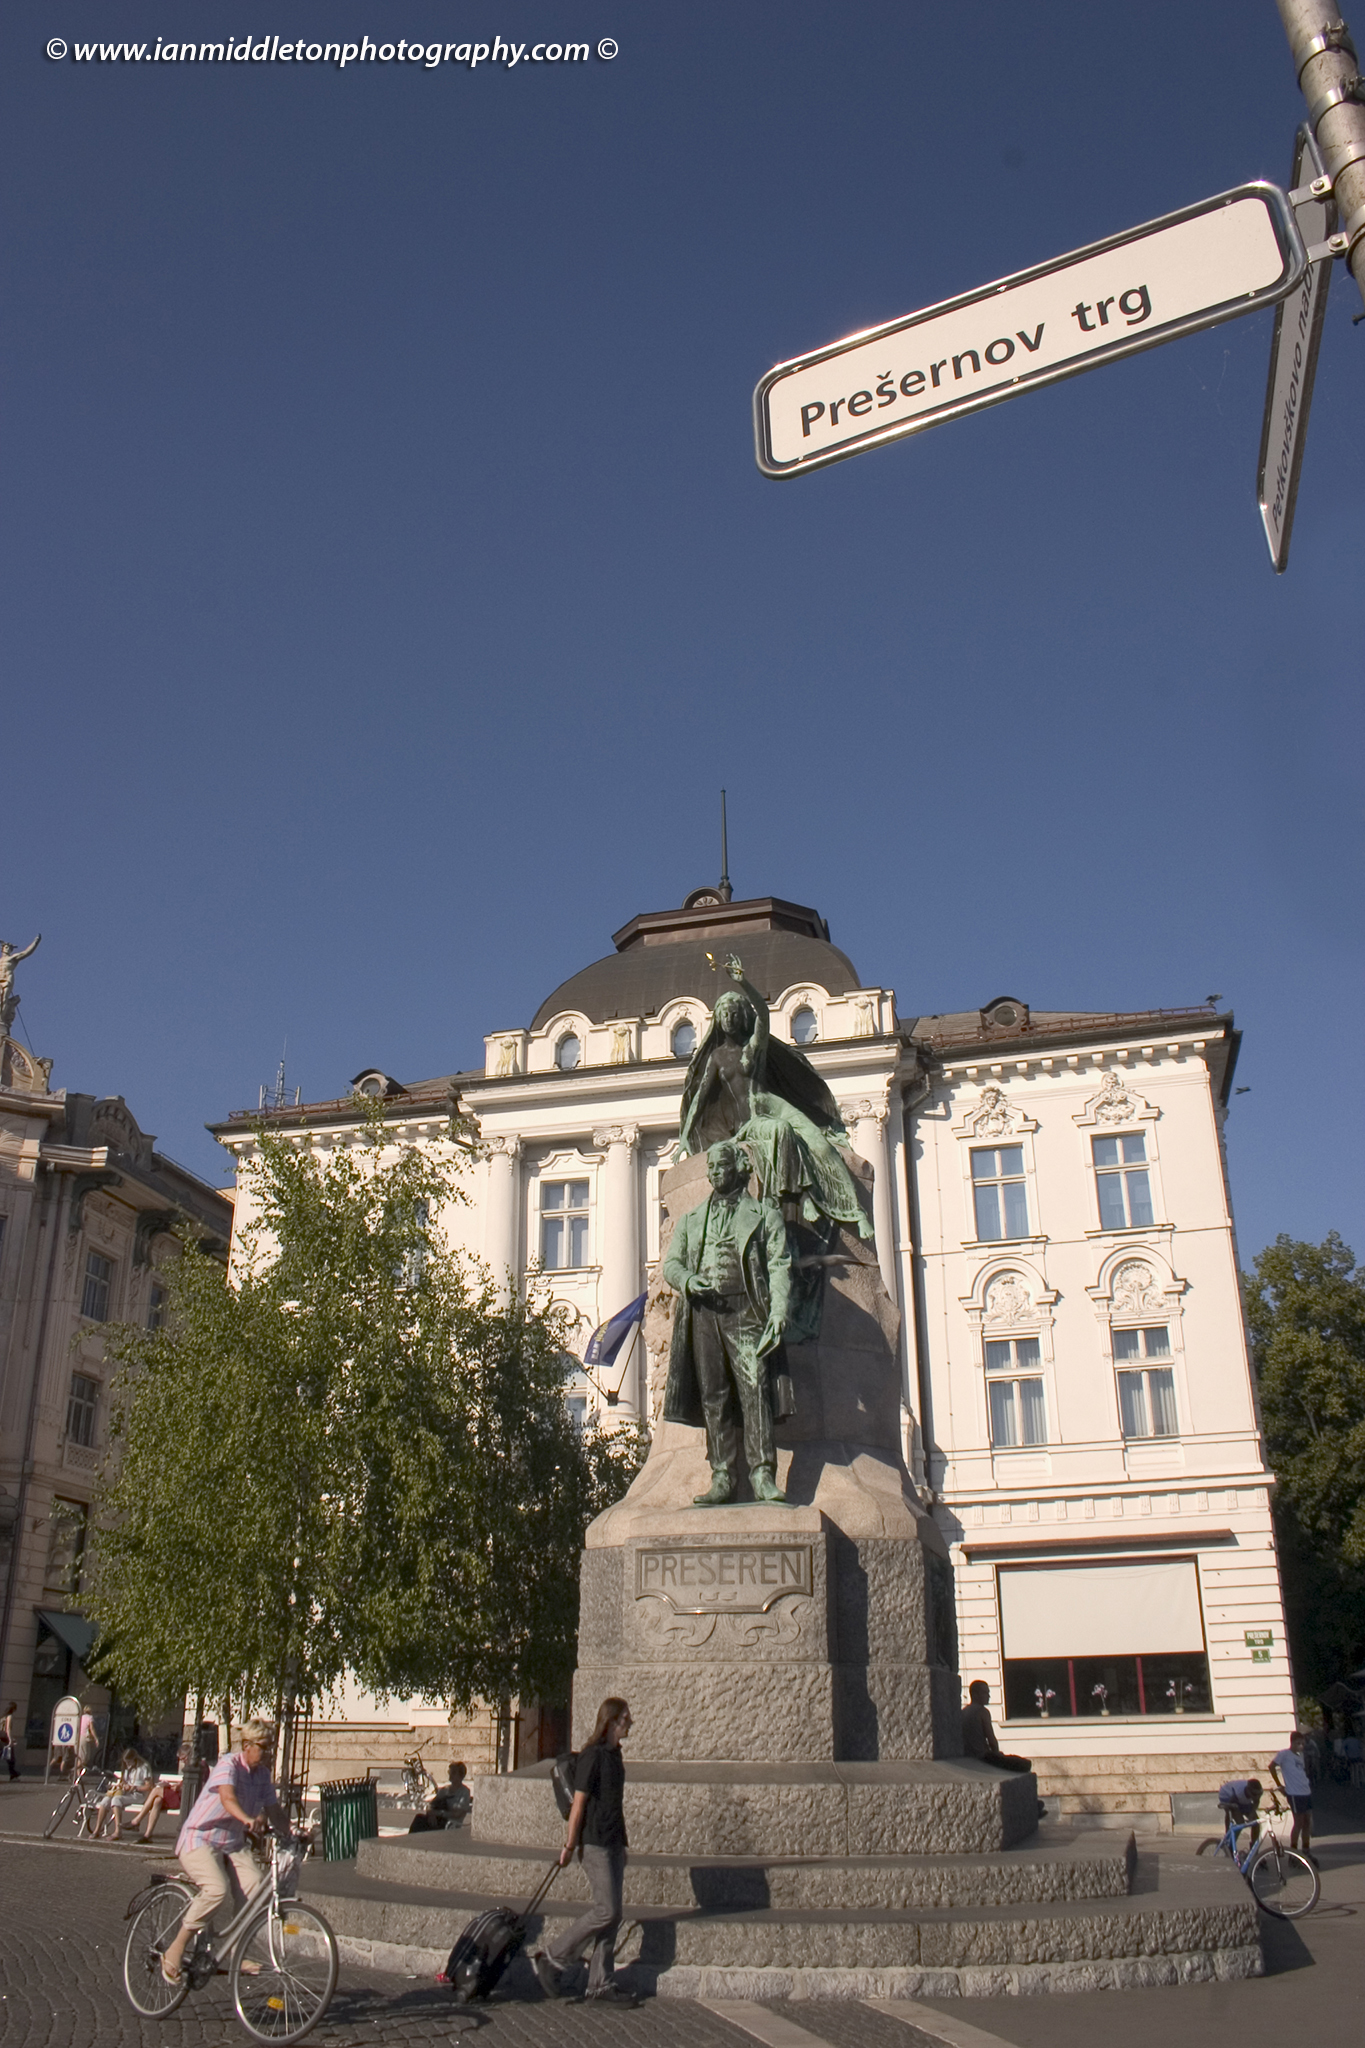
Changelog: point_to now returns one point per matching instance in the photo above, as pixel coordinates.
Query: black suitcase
(489, 1943)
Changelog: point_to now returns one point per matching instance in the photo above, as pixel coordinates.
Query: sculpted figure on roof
(744, 1084)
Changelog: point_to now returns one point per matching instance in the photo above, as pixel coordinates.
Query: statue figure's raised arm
(756, 1051)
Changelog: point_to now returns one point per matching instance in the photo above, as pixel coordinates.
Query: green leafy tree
(356, 1456)
(1305, 1307)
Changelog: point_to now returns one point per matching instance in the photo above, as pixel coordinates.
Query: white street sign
(1210, 262)
(66, 1719)
(1293, 366)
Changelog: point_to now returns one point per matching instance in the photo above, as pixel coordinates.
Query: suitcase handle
(541, 1889)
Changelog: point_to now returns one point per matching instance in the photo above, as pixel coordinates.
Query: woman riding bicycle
(212, 1845)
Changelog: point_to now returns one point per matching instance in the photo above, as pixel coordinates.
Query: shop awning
(72, 1631)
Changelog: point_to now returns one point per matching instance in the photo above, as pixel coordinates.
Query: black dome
(661, 956)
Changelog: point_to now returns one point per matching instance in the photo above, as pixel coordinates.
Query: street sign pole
(1207, 263)
(1294, 357)
(1329, 78)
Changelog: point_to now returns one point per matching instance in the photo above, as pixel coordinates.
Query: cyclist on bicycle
(1238, 1800)
(212, 1844)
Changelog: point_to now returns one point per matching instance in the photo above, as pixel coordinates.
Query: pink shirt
(208, 1824)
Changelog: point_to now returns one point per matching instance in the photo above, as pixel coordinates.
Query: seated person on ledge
(448, 1808)
(978, 1735)
(1238, 1799)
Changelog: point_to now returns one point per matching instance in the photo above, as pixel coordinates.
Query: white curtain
(1101, 1610)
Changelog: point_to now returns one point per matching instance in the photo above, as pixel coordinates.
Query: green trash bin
(350, 1815)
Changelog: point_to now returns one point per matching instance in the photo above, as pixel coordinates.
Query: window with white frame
(1014, 1388)
(999, 1194)
(82, 1406)
(684, 1039)
(1122, 1179)
(99, 1273)
(805, 1025)
(564, 1213)
(1146, 1392)
(577, 1405)
(569, 1052)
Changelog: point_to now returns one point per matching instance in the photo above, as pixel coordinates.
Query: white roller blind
(1100, 1610)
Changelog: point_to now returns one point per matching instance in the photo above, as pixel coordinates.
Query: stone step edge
(1017, 1858)
(1125, 1973)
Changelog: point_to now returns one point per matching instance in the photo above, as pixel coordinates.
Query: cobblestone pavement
(63, 1933)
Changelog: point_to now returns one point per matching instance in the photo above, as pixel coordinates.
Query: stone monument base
(800, 1809)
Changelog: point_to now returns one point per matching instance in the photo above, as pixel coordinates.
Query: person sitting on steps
(978, 1732)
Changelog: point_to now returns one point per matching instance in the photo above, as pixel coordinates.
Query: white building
(1052, 1218)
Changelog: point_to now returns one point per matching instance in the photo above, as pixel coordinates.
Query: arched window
(684, 1039)
(805, 1027)
(568, 1052)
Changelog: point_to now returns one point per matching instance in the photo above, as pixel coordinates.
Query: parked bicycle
(280, 1956)
(80, 1803)
(418, 1783)
(1282, 1882)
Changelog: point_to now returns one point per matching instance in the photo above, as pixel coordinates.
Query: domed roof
(661, 956)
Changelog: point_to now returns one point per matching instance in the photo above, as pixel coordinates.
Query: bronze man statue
(730, 1266)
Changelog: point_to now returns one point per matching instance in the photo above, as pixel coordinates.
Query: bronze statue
(730, 1267)
(742, 1083)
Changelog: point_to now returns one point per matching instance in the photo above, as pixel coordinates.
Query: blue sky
(389, 584)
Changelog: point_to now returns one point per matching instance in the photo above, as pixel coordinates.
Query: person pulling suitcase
(597, 1822)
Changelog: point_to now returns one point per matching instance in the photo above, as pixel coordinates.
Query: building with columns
(1052, 1221)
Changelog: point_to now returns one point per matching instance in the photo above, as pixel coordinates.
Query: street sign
(66, 1720)
(1211, 262)
(1293, 364)
(1254, 1636)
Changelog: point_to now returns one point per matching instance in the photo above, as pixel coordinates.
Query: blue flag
(607, 1339)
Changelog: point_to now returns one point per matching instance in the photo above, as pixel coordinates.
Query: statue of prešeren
(730, 1267)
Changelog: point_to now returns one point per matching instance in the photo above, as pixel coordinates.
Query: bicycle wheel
(1285, 1884)
(59, 1813)
(148, 1938)
(284, 1973)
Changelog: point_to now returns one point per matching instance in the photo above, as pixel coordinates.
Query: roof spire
(726, 892)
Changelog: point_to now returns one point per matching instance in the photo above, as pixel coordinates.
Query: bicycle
(80, 1803)
(418, 1783)
(1282, 1881)
(280, 1956)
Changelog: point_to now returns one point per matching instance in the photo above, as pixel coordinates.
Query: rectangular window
(65, 1547)
(81, 1404)
(563, 1224)
(577, 1405)
(1018, 1411)
(998, 1190)
(99, 1272)
(156, 1308)
(1089, 1640)
(1147, 1403)
(1121, 1177)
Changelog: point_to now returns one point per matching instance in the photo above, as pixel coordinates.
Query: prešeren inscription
(734, 1578)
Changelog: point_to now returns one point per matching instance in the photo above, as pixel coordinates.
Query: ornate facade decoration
(507, 1057)
(1136, 1292)
(994, 1116)
(1008, 1302)
(1117, 1102)
(621, 1048)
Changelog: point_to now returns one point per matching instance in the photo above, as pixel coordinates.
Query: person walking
(9, 1741)
(1290, 1772)
(597, 1820)
(211, 1844)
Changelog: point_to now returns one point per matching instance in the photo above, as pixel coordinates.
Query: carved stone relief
(1008, 1301)
(1135, 1291)
(1118, 1102)
(507, 1057)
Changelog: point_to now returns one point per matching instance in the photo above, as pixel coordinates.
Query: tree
(356, 1457)
(1305, 1309)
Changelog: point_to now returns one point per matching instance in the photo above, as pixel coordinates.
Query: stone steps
(1183, 1922)
(1047, 1873)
